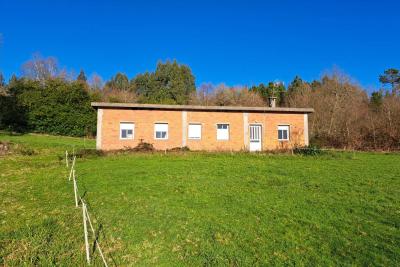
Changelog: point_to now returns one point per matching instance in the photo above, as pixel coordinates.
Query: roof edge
(200, 108)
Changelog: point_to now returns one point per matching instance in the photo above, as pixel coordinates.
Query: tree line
(48, 99)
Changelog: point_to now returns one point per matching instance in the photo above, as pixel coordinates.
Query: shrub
(25, 151)
(86, 152)
(56, 107)
(8, 148)
(143, 147)
(308, 151)
(5, 148)
(178, 149)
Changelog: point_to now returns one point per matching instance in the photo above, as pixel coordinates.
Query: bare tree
(119, 96)
(39, 68)
(202, 95)
(96, 82)
(222, 95)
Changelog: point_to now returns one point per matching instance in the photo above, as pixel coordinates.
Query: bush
(10, 148)
(308, 151)
(86, 152)
(25, 151)
(55, 107)
(179, 149)
(5, 148)
(143, 147)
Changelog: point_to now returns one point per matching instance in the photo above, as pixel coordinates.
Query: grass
(200, 208)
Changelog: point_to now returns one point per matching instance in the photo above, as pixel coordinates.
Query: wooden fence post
(85, 232)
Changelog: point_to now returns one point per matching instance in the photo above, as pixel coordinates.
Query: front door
(255, 138)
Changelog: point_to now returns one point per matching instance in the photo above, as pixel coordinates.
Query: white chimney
(272, 101)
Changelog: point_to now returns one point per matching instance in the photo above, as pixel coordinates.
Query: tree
(392, 77)
(222, 95)
(295, 85)
(2, 83)
(40, 69)
(13, 79)
(82, 77)
(56, 107)
(273, 89)
(171, 83)
(96, 82)
(376, 99)
(298, 93)
(202, 96)
(13, 115)
(119, 82)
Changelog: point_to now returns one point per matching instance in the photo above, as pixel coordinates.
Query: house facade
(210, 128)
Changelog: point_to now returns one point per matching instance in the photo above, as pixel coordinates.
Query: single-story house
(211, 128)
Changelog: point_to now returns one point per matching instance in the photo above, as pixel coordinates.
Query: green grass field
(199, 208)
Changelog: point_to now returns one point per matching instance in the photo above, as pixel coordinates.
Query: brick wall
(144, 121)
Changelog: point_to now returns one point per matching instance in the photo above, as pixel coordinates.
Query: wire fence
(86, 221)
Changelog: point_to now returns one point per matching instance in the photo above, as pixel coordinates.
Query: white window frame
(121, 123)
(228, 130)
(284, 127)
(201, 129)
(155, 131)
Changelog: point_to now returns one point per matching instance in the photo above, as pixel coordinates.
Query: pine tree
(119, 82)
(13, 79)
(392, 77)
(2, 83)
(82, 76)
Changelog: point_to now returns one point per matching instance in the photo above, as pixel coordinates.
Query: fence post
(75, 188)
(95, 240)
(85, 232)
(66, 157)
(72, 168)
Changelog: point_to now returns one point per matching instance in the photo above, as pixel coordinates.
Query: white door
(255, 137)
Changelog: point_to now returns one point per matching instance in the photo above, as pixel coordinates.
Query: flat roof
(200, 108)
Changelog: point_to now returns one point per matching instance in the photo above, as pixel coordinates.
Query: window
(222, 131)
(126, 130)
(161, 131)
(283, 132)
(194, 131)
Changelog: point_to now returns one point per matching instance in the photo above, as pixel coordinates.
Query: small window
(223, 131)
(161, 131)
(194, 131)
(126, 130)
(283, 132)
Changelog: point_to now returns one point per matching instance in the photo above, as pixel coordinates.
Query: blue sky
(235, 42)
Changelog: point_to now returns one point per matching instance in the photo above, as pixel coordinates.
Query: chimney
(272, 101)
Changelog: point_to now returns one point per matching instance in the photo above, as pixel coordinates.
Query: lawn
(196, 209)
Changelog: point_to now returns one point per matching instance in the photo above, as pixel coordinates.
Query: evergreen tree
(2, 83)
(119, 82)
(295, 85)
(273, 89)
(376, 99)
(81, 77)
(13, 79)
(171, 83)
(392, 77)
